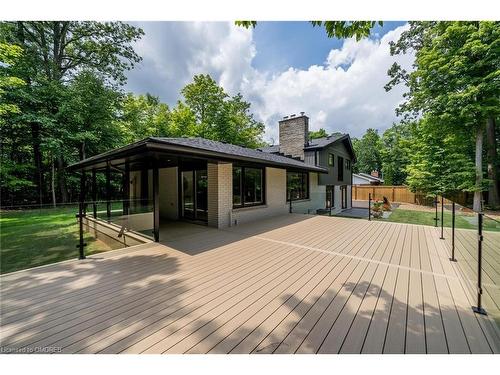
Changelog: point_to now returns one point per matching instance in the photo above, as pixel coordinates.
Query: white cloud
(344, 94)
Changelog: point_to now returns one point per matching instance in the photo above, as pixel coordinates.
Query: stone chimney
(294, 135)
(374, 174)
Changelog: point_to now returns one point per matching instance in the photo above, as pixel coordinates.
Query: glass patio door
(343, 190)
(194, 195)
(330, 196)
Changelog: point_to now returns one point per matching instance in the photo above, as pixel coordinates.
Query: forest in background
(62, 99)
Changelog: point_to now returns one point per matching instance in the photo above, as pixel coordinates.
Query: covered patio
(289, 284)
(189, 179)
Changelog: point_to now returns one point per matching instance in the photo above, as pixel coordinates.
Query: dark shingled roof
(213, 149)
(325, 141)
(270, 149)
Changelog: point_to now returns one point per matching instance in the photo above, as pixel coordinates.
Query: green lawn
(36, 237)
(427, 218)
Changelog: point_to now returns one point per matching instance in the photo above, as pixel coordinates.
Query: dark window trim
(340, 168)
(332, 158)
(242, 186)
(307, 184)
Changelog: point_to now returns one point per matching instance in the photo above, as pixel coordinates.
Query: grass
(427, 218)
(31, 238)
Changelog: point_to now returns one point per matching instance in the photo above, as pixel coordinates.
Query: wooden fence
(400, 194)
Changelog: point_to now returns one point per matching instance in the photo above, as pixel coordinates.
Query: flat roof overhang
(143, 153)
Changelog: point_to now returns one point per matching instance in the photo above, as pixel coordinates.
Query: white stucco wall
(169, 208)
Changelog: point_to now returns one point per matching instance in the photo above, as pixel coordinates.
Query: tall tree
(367, 151)
(55, 52)
(219, 116)
(143, 116)
(321, 133)
(394, 153)
(455, 81)
(440, 160)
(9, 55)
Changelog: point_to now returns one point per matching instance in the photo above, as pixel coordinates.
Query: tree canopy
(455, 87)
(367, 150)
(335, 29)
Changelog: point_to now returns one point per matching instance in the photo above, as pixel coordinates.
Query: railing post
(453, 232)
(126, 189)
(436, 216)
(156, 202)
(108, 192)
(94, 193)
(369, 206)
(479, 309)
(290, 203)
(442, 218)
(81, 244)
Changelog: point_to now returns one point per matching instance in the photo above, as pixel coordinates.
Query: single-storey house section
(202, 181)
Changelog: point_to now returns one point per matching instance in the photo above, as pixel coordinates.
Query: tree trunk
(37, 160)
(61, 177)
(493, 194)
(53, 183)
(479, 169)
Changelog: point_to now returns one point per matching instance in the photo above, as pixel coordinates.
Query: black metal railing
(473, 228)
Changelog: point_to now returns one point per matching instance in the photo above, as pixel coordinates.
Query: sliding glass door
(194, 195)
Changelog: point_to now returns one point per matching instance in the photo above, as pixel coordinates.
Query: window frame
(243, 188)
(288, 198)
(340, 171)
(331, 160)
(348, 164)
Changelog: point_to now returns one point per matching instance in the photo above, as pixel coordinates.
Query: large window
(340, 167)
(297, 185)
(248, 186)
(331, 160)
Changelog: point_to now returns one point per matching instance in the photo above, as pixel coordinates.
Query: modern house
(367, 179)
(221, 185)
(334, 153)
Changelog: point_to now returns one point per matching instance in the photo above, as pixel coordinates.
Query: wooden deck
(293, 284)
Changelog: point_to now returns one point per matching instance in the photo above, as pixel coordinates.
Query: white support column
(220, 194)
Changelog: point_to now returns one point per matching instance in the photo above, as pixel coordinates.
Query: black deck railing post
(436, 216)
(126, 189)
(453, 232)
(108, 192)
(479, 309)
(94, 193)
(81, 244)
(156, 202)
(290, 202)
(369, 206)
(442, 218)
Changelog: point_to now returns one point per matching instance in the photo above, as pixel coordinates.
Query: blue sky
(279, 67)
(281, 45)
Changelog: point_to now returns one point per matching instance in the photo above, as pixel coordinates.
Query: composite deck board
(295, 283)
(259, 325)
(79, 313)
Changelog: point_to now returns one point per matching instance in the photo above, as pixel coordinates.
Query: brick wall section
(220, 194)
(293, 135)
